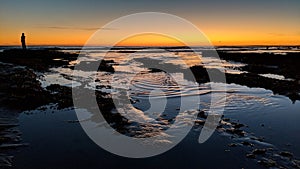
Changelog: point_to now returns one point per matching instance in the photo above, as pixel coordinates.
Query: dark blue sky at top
(107, 10)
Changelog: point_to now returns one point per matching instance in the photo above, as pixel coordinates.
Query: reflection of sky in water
(250, 105)
(126, 62)
(274, 76)
(130, 74)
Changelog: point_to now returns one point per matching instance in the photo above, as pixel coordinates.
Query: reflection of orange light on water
(150, 39)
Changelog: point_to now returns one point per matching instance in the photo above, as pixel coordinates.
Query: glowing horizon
(33, 40)
(216, 39)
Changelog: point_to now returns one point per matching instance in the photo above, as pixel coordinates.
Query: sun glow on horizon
(150, 39)
(67, 38)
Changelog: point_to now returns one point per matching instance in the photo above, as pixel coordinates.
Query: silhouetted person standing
(23, 41)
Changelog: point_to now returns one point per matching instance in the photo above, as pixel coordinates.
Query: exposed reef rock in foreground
(38, 60)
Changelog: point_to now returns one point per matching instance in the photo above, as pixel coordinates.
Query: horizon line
(231, 45)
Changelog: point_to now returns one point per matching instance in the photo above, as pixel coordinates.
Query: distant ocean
(245, 49)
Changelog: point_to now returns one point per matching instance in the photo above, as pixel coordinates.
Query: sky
(73, 22)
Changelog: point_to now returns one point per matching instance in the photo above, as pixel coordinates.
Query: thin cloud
(75, 28)
(283, 34)
(277, 34)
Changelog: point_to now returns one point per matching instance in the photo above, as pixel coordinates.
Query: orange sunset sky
(224, 23)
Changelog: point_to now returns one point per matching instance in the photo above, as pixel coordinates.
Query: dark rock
(296, 163)
(250, 155)
(220, 126)
(154, 70)
(199, 122)
(261, 63)
(202, 114)
(61, 95)
(237, 125)
(236, 131)
(287, 88)
(259, 151)
(246, 143)
(101, 65)
(226, 119)
(286, 154)
(232, 145)
(20, 88)
(39, 60)
(267, 162)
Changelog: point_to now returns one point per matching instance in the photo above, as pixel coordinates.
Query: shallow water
(56, 139)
